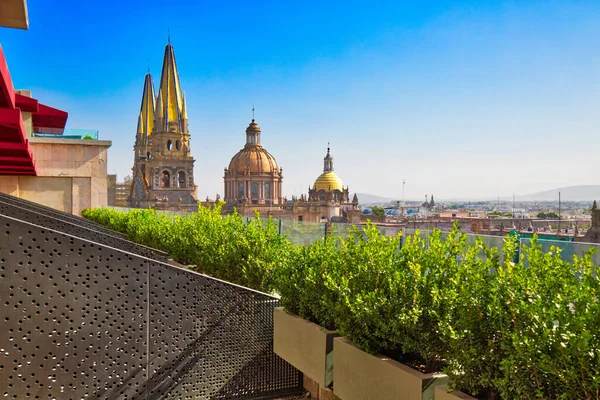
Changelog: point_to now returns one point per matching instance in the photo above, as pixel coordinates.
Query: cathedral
(253, 182)
(163, 169)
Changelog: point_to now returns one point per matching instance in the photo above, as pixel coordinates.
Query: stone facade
(593, 234)
(71, 175)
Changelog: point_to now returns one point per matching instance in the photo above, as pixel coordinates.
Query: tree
(379, 211)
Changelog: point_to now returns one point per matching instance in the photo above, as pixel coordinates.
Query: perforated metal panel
(82, 320)
(29, 205)
(71, 228)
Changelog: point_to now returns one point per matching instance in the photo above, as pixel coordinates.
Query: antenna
(169, 35)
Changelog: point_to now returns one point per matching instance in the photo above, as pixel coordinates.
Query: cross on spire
(252, 112)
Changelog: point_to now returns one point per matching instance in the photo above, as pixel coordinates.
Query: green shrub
(224, 247)
(475, 317)
(552, 344)
(522, 328)
(302, 282)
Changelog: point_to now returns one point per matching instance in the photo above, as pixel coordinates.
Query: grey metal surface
(30, 205)
(65, 226)
(82, 320)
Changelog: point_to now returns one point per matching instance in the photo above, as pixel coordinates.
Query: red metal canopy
(49, 118)
(15, 154)
(25, 103)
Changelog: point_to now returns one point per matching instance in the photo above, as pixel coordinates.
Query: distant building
(163, 169)
(56, 170)
(253, 176)
(593, 234)
(118, 192)
(253, 168)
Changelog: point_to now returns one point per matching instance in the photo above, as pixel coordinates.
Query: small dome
(253, 128)
(329, 181)
(255, 160)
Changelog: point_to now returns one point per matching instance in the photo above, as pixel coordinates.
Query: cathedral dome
(253, 159)
(328, 181)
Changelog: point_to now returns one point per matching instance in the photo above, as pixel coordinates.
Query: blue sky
(461, 99)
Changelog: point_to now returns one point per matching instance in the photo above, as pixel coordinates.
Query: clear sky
(461, 99)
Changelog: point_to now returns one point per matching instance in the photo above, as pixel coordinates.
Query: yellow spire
(184, 109)
(140, 128)
(171, 106)
(146, 121)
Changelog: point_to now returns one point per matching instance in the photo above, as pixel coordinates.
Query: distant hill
(569, 193)
(364, 198)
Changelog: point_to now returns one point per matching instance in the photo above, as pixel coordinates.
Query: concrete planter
(305, 345)
(359, 376)
(441, 393)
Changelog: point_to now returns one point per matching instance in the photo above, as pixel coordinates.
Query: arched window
(166, 179)
(169, 145)
(267, 190)
(181, 179)
(178, 145)
(148, 155)
(240, 190)
(254, 190)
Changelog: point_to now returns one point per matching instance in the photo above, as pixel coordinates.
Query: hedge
(500, 327)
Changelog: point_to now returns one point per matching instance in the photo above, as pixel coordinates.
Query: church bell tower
(163, 167)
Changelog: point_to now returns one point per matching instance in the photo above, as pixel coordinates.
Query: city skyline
(461, 101)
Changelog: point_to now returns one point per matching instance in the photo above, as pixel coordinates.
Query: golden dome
(328, 181)
(253, 159)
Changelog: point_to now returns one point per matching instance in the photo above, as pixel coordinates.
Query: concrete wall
(71, 174)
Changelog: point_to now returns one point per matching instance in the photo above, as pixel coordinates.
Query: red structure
(15, 154)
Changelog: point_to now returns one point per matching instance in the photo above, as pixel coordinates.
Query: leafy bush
(504, 326)
(379, 211)
(224, 247)
(302, 282)
(552, 343)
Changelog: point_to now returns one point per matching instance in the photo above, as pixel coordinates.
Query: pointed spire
(159, 106)
(140, 126)
(184, 109)
(171, 105)
(355, 199)
(146, 120)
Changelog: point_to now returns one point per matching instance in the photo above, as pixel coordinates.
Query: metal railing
(83, 319)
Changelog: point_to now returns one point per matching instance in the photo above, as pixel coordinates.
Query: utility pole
(498, 199)
(402, 203)
(513, 205)
(559, 217)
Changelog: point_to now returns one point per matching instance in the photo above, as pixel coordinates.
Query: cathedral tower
(328, 186)
(164, 166)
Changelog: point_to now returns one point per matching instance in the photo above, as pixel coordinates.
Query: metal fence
(88, 320)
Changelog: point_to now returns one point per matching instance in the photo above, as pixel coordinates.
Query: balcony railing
(89, 134)
(88, 314)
